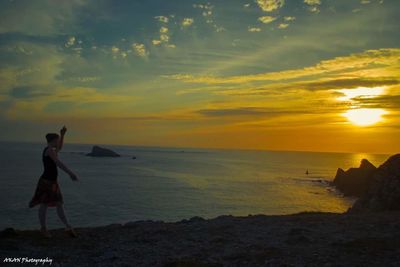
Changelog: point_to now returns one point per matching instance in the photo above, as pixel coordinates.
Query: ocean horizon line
(206, 148)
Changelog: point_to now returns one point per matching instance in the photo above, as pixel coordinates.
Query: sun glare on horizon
(365, 116)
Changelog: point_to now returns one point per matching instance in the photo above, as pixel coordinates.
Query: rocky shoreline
(304, 239)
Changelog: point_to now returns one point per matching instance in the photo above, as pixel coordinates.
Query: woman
(48, 193)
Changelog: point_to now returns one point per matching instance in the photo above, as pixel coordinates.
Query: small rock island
(102, 152)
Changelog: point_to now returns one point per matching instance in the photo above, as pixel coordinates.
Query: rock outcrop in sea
(102, 152)
(383, 192)
(355, 181)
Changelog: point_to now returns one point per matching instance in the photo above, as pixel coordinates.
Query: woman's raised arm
(61, 139)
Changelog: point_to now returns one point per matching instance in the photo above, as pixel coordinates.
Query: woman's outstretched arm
(61, 140)
(61, 165)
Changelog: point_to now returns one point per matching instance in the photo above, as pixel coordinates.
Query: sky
(303, 75)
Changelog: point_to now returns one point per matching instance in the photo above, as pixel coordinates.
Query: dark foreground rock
(306, 239)
(355, 181)
(102, 152)
(384, 189)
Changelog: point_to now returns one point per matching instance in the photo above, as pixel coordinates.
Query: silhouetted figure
(48, 193)
(307, 172)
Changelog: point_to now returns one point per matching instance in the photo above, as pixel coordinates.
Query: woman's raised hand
(63, 130)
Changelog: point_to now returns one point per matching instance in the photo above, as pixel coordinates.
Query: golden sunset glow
(364, 116)
(363, 92)
(283, 76)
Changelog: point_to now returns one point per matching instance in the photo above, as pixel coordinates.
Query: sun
(364, 116)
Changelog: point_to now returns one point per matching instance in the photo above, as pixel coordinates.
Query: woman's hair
(51, 136)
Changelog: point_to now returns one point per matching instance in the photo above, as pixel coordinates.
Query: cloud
(30, 64)
(345, 83)
(270, 5)
(312, 2)
(331, 85)
(314, 9)
(266, 19)
(30, 103)
(164, 38)
(118, 52)
(162, 19)
(243, 111)
(208, 15)
(283, 25)
(164, 29)
(381, 62)
(254, 29)
(114, 49)
(383, 101)
(187, 22)
(26, 92)
(289, 18)
(45, 18)
(70, 42)
(140, 50)
(156, 42)
(313, 5)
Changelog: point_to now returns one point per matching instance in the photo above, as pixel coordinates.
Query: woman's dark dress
(47, 189)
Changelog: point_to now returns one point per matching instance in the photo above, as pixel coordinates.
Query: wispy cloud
(383, 58)
(249, 111)
(45, 18)
(35, 102)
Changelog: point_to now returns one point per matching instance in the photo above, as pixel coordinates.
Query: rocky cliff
(384, 189)
(355, 181)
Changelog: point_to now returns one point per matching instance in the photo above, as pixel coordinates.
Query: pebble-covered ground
(305, 239)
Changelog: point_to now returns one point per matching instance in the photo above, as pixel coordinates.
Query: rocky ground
(305, 239)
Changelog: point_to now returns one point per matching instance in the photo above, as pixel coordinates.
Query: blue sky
(198, 73)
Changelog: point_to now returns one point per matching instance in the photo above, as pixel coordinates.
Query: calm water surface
(172, 184)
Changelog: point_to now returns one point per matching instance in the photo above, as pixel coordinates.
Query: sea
(172, 184)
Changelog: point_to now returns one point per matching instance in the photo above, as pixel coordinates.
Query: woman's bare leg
(61, 215)
(42, 219)
(42, 216)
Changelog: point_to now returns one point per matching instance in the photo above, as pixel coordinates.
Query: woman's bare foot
(71, 232)
(45, 233)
